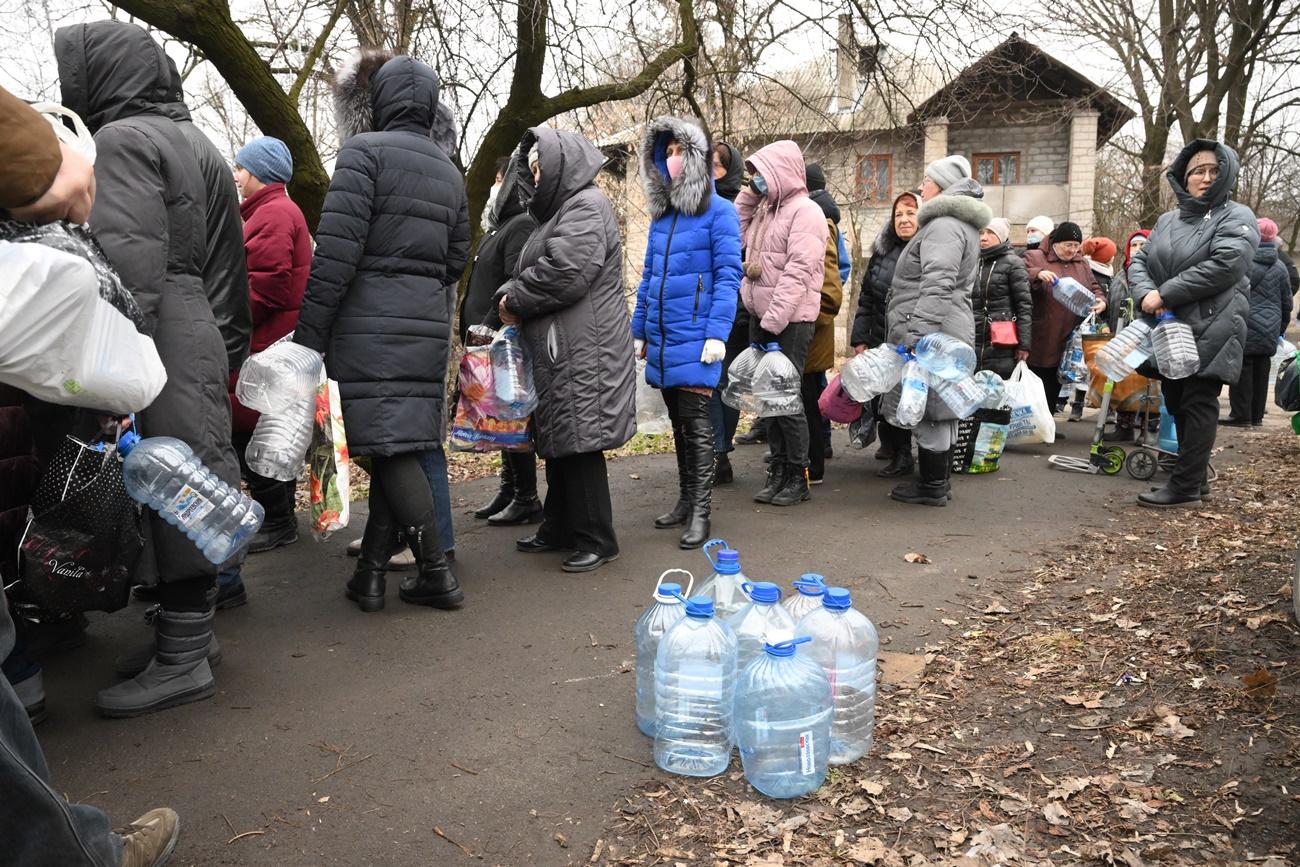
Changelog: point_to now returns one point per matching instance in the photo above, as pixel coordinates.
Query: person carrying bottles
(1270, 313)
(685, 305)
(392, 242)
(931, 293)
(784, 235)
(1196, 265)
(1001, 294)
(568, 299)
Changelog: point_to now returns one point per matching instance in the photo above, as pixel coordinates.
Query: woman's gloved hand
(638, 346)
(714, 351)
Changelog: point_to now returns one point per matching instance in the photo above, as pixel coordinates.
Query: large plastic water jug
(1174, 347)
(1073, 295)
(1125, 352)
(726, 584)
(764, 619)
(995, 388)
(845, 644)
(809, 589)
(962, 395)
(280, 382)
(783, 721)
(1167, 438)
(739, 393)
(164, 474)
(913, 396)
(651, 626)
(945, 356)
(695, 693)
(873, 372)
(777, 384)
(512, 376)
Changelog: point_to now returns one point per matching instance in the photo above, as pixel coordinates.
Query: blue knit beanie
(267, 159)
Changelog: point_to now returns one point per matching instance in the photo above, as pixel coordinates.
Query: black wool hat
(1066, 231)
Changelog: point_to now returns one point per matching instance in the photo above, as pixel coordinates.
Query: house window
(993, 169)
(876, 179)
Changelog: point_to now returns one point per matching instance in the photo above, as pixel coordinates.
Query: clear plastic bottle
(278, 445)
(164, 474)
(810, 587)
(279, 378)
(777, 384)
(512, 376)
(1174, 347)
(739, 393)
(963, 396)
(726, 584)
(1126, 351)
(651, 626)
(995, 388)
(873, 372)
(915, 393)
(783, 721)
(695, 693)
(763, 619)
(845, 644)
(944, 356)
(1073, 295)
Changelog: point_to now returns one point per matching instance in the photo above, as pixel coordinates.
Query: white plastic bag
(62, 343)
(1031, 418)
(651, 411)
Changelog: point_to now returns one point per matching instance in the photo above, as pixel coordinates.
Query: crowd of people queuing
(742, 249)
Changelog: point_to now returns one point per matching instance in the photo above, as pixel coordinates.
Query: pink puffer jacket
(785, 237)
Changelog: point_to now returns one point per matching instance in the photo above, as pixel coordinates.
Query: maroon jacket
(1053, 323)
(278, 247)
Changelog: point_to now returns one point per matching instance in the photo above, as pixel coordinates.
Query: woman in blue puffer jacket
(686, 303)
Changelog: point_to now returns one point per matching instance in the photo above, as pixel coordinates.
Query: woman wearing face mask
(1036, 232)
(1001, 295)
(869, 322)
(685, 304)
(1061, 256)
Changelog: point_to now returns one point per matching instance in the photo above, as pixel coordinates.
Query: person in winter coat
(1001, 294)
(1099, 253)
(686, 304)
(568, 295)
(1118, 292)
(815, 177)
(1037, 231)
(728, 177)
(1270, 313)
(870, 320)
(149, 216)
(1293, 274)
(1196, 265)
(821, 358)
(784, 235)
(392, 242)
(931, 293)
(1053, 322)
(509, 227)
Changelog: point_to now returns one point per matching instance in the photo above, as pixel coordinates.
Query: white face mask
(1033, 238)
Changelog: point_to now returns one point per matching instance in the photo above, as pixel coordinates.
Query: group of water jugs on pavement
(790, 683)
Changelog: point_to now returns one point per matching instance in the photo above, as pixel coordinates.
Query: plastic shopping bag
(329, 463)
(1031, 418)
(478, 426)
(980, 440)
(836, 405)
(651, 411)
(512, 376)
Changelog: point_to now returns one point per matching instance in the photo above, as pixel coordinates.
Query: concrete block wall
(1044, 148)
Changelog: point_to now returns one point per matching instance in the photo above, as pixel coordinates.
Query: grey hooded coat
(1198, 258)
(569, 294)
(149, 217)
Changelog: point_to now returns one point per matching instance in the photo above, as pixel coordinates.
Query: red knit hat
(1100, 249)
(1128, 243)
(1267, 230)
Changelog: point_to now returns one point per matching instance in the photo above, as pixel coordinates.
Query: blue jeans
(434, 463)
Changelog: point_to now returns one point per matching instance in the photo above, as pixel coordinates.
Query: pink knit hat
(1267, 230)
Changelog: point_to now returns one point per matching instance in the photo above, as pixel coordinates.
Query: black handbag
(1286, 391)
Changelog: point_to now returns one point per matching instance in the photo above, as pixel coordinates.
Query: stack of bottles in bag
(1171, 341)
(791, 684)
(762, 380)
(940, 362)
(280, 383)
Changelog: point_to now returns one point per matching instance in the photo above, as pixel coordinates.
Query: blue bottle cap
(785, 648)
(669, 593)
(810, 584)
(700, 607)
(772, 347)
(1166, 316)
(762, 591)
(127, 442)
(837, 599)
(728, 562)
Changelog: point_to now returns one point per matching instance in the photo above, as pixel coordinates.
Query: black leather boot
(178, 673)
(280, 526)
(433, 585)
(723, 474)
(900, 464)
(368, 585)
(700, 466)
(931, 489)
(776, 478)
(682, 510)
(794, 489)
(524, 507)
(505, 491)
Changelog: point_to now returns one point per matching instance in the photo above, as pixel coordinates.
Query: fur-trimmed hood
(961, 200)
(377, 91)
(691, 190)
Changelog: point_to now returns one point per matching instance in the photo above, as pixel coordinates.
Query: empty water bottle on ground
(845, 644)
(695, 692)
(1174, 347)
(726, 584)
(873, 372)
(1125, 352)
(512, 376)
(1073, 295)
(777, 384)
(945, 356)
(783, 721)
(651, 626)
(280, 383)
(807, 596)
(912, 399)
(763, 619)
(164, 474)
(963, 395)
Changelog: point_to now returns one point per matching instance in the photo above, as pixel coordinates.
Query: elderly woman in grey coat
(568, 295)
(932, 293)
(1196, 265)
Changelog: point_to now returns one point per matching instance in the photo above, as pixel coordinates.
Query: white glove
(638, 346)
(714, 351)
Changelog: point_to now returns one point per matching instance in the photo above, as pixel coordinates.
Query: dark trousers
(400, 492)
(1194, 403)
(275, 497)
(787, 435)
(1051, 385)
(1248, 396)
(685, 405)
(811, 390)
(578, 512)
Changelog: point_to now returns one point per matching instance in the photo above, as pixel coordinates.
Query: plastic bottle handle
(689, 584)
(712, 543)
(747, 587)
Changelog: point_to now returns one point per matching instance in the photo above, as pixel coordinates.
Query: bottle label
(806, 753)
(190, 507)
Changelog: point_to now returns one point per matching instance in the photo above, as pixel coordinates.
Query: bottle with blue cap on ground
(845, 644)
(762, 619)
(651, 626)
(695, 692)
(810, 588)
(783, 721)
(726, 584)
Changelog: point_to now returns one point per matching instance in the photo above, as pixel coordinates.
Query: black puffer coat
(1001, 293)
(497, 261)
(1198, 258)
(149, 217)
(569, 294)
(1270, 301)
(392, 242)
(869, 319)
(225, 270)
